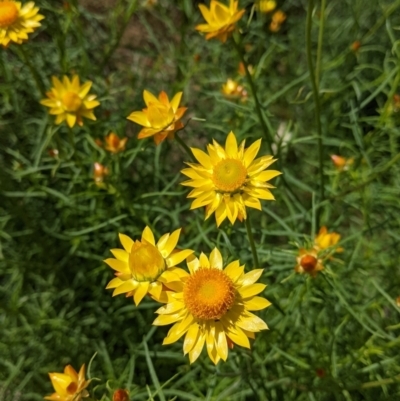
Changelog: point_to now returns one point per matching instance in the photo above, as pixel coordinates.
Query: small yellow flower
(233, 89)
(325, 240)
(278, 18)
(114, 144)
(146, 267)
(16, 21)
(266, 6)
(99, 172)
(161, 117)
(70, 101)
(342, 163)
(228, 180)
(213, 307)
(69, 386)
(221, 19)
(308, 262)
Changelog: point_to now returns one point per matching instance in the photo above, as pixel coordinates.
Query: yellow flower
(308, 262)
(221, 19)
(266, 6)
(70, 101)
(232, 89)
(326, 240)
(114, 144)
(278, 18)
(120, 395)
(99, 172)
(69, 386)
(227, 180)
(213, 307)
(341, 163)
(161, 117)
(16, 21)
(146, 267)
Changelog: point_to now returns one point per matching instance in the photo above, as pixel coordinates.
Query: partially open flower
(68, 386)
(70, 101)
(221, 19)
(341, 163)
(233, 89)
(266, 6)
(325, 240)
(99, 172)
(114, 144)
(278, 18)
(17, 20)
(161, 118)
(213, 307)
(308, 262)
(144, 266)
(120, 395)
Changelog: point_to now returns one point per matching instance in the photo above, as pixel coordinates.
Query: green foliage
(333, 337)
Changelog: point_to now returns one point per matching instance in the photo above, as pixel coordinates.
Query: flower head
(144, 266)
(221, 19)
(325, 240)
(227, 180)
(213, 307)
(17, 20)
(233, 89)
(120, 395)
(278, 18)
(114, 144)
(341, 163)
(266, 6)
(308, 262)
(70, 101)
(161, 117)
(69, 386)
(99, 172)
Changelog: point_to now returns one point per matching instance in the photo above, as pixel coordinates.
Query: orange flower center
(208, 294)
(72, 388)
(229, 175)
(145, 261)
(8, 13)
(308, 263)
(71, 101)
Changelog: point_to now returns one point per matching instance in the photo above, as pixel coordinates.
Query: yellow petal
(140, 118)
(220, 341)
(121, 255)
(140, 292)
(204, 260)
(252, 323)
(170, 244)
(251, 290)
(147, 234)
(115, 282)
(175, 101)
(202, 157)
(117, 265)
(216, 259)
(252, 276)
(178, 257)
(174, 334)
(251, 152)
(164, 320)
(149, 98)
(231, 147)
(267, 175)
(126, 242)
(256, 303)
(234, 270)
(191, 338)
(125, 287)
(198, 347)
(60, 382)
(237, 336)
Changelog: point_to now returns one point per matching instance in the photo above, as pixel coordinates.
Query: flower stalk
(252, 243)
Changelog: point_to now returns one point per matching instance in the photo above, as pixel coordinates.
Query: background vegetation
(334, 337)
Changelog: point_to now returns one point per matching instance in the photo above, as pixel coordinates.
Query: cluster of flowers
(210, 303)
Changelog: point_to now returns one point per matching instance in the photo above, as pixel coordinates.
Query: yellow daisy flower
(161, 117)
(227, 180)
(69, 386)
(213, 307)
(146, 267)
(70, 101)
(326, 240)
(114, 144)
(221, 19)
(17, 20)
(308, 262)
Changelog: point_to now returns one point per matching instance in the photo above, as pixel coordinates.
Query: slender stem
(185, 147)
(250, 81)
(35, 74)
(320, 41)
(316, 101)
(252, 244)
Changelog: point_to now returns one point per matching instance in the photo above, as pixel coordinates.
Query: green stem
(320, 41)
(185, 147)
(250, 81)
(39, 84)
(316, 101)
(252, 244)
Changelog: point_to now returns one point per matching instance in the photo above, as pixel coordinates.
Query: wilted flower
(17, 20)
(114, 144)
(266, 6)
(342, 163)
(233, 89)
(212, 307)
(146, 266)
(99, 172)
(308, 262)
(70, 101)
(228, 180)
(120, 395)
(325, 240)
(221, 19)
(161, 118)
(355, 46)
(69, 386)
(278, 18)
